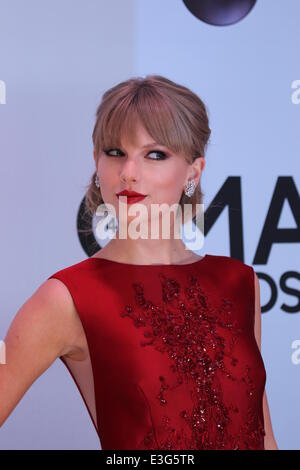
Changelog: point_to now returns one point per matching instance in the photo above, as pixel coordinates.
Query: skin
(163, 181)
(45, 327)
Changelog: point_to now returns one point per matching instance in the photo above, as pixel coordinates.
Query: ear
(196, 169)
(95, 157)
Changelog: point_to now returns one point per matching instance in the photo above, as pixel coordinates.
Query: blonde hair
(172, 115)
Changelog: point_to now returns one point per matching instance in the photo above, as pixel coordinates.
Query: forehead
(137, 136)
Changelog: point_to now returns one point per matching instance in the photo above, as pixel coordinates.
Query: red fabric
(173, 352)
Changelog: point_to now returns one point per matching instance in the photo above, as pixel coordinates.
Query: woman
(163, 345)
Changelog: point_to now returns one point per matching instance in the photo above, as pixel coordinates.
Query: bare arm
(44, 328)
(269, 441)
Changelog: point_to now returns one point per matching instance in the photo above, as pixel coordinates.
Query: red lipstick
(132, 196)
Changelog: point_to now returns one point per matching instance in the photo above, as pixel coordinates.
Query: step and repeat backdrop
(241, 57)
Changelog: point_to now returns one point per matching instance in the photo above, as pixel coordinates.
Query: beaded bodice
(173, 358)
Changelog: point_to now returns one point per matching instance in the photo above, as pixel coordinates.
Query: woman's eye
(161, 155)
(107, 152)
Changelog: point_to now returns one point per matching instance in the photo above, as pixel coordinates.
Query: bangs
(143, 106)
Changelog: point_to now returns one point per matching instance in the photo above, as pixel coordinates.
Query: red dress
(173, 361)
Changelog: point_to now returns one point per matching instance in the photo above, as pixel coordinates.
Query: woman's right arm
(44, 328)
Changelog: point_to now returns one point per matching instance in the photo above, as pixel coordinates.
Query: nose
(129, 172)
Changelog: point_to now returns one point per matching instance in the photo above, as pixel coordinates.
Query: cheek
(170, 179)
(106, 174)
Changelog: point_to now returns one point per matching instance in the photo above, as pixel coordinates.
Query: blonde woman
(163, 344)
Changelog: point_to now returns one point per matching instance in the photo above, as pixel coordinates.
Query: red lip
(127, 193)
(134, 199)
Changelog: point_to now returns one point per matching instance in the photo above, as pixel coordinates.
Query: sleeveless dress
(173, 362)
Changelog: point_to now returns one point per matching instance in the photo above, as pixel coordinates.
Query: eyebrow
(150, 145)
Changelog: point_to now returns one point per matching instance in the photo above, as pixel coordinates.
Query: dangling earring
(190, 188)
(97, 181)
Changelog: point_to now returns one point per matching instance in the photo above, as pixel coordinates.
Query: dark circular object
(84, 225)
(220, 12)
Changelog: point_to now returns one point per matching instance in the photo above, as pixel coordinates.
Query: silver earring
(190, 188)
(97, 181)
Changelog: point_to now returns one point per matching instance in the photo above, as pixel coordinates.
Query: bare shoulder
(44, 328)
(62, 308)
(48, 323)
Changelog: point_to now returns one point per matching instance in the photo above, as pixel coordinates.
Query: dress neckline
(204, 258)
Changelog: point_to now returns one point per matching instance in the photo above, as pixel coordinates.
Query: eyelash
(162, 154)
